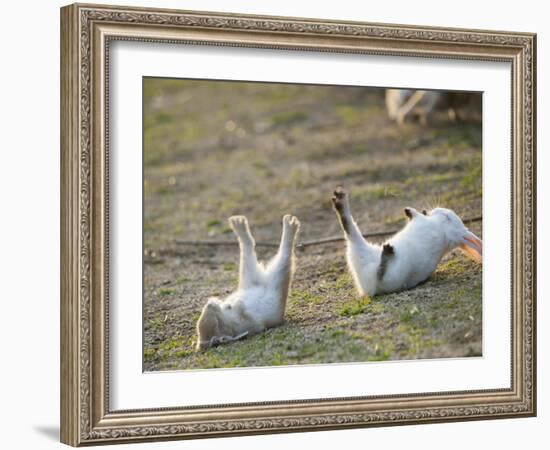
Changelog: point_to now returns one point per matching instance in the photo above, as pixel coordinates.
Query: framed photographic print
(276, 225)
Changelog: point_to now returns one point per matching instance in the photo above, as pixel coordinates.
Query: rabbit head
(210, 326)
(456, 233)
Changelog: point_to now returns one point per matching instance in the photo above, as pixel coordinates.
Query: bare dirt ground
(212, 150)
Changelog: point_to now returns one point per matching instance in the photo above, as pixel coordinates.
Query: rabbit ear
(472, 246)
(411, 213)
(213, 303)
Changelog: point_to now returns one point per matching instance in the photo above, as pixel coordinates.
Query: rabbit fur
(260, 300)
(410, 256)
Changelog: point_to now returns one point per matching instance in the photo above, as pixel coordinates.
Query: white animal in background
(259, 302)
(410, 256)
(401, 103)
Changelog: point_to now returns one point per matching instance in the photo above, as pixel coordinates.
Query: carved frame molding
(86, 32)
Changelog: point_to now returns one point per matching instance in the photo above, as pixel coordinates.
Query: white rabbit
(259, 302)
(401, 103)
(411, 255)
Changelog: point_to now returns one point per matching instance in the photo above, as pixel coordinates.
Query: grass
(355, 307)
(305, 298)
(368, 329)
(164, 292)
(213, 223)
(229, 267)
(288, 118)
(472, 179)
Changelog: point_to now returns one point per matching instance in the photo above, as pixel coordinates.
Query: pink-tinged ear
(472, 246)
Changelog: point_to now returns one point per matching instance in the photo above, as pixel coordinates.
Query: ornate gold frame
(86, 31)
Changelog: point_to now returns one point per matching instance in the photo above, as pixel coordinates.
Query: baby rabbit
(259, 303)
(410, 256)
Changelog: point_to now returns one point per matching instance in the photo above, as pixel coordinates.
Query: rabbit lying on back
(260, 301)
(410, 256)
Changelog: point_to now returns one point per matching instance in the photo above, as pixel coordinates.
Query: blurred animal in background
(259, 302)
(410, 256)
(405, 104)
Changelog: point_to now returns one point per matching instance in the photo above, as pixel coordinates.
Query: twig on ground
(305, 244)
